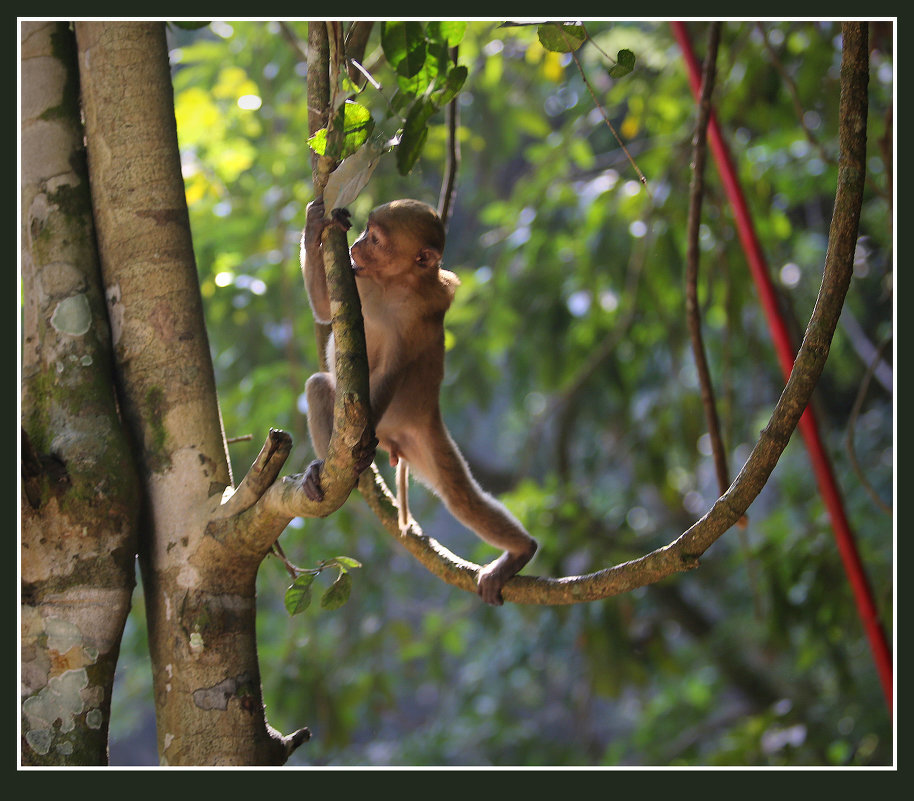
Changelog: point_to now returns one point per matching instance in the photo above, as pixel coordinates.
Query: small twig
(280, 554)
(448, 186)
(699, 158)
(851, 424)
(242, 438)
(599, 105)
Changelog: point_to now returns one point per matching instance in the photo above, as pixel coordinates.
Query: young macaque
(404, 295)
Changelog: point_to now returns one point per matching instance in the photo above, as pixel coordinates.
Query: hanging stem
(693, 313)
(842, 241)
(448, 187)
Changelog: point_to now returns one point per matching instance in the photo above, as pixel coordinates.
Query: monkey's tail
(403, 494)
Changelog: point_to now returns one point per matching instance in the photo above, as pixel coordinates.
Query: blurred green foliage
(758, 658)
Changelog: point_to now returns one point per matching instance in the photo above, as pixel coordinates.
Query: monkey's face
(384, 252)
(370, 252)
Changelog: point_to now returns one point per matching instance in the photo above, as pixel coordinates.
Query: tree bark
(201, 541)
(79, 484)
(199, 591)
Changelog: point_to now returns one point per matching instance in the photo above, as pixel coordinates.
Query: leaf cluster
(298, 596)
(427, 80)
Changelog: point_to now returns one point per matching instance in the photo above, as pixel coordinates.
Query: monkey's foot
(311, 483)
(492, 577)
(489, 584)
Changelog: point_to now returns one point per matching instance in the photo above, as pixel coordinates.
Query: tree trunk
(198, 584)
(79, 486)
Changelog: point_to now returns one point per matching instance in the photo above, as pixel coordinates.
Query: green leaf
(298, 597)
(347, 562)
(399, 102)
(415, 131)
(447, 33)
(561, 37)
(338, 593)
(404, 46)
(452, 85)
(625, 63)
(418, 83)
(318, 141)
(357, 125)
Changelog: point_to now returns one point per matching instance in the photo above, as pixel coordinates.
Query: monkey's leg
(320, 390)
(438, 460)
(493, 576)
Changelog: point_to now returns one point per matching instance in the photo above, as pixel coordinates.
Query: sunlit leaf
(561, 37)
(347, 562)
(448, 33)
(420, 82)
(357, 125)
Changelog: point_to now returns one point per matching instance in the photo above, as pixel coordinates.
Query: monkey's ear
(428, 257)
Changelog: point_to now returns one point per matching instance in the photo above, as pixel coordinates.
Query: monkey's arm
(313, 262)
(313, 257)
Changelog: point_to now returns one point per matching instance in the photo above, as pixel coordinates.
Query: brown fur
(405, 294)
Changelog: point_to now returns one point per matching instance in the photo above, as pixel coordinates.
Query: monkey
(404, 293)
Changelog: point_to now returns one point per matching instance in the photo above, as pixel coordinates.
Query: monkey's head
(401, 238)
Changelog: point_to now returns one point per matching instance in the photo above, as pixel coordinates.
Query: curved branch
(684, 552)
